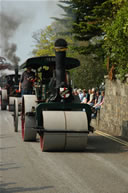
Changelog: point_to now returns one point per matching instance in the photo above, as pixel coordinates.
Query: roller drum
(64, 130)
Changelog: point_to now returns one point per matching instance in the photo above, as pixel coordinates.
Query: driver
(26, 82)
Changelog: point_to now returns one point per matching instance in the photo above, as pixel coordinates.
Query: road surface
(102, 168)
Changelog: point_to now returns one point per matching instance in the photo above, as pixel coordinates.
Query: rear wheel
(15, 115)
(28, 122)
(11, 103)
(22, 126)
(3, 99)
(3, 106)
(41, 143)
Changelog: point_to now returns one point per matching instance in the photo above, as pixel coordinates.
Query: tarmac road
(102, 168)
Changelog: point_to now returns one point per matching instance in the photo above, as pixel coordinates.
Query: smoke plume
(8, 26)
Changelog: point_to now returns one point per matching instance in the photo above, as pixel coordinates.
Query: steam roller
(53, 111)
(10, 91)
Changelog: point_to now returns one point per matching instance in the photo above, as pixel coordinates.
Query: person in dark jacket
(26, 82)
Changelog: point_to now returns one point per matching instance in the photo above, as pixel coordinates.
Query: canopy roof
(40, 61)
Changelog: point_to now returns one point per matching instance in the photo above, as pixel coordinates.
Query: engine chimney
(60, 51)
(16, 74)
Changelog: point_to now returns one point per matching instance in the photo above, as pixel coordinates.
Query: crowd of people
(92, 97)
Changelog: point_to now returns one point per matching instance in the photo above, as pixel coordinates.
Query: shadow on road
(4, 188)
(4, 148)
(3, 136)
(101, 144)
(98, 144)
(8, 166)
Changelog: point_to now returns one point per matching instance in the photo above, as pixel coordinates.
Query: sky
(19, 19)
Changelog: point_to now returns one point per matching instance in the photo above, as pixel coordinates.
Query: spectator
(80, 93)
(91, 101)
(98, 105)
(75, 92)
(26, 82)
(97, 96)
(100, 101)
(85, 97)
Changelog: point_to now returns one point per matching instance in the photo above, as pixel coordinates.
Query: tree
(116, 38)
(104, 24)
(89, 74)
(44, 41)
(66, 18)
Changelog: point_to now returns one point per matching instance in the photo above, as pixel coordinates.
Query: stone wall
(113, 117)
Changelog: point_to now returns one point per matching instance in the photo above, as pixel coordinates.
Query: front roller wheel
(28, 122)
(16, 115)
(64, 131)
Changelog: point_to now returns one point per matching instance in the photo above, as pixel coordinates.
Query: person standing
(26, 82)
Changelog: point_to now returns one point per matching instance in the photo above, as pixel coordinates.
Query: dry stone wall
(113, 116)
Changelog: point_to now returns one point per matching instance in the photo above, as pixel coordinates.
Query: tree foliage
(44, 41)
(107, 20)
(85, 25)
(116, 37)
(89, 74)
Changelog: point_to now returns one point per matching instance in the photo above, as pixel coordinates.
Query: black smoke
(10, 53)
(8, 26)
